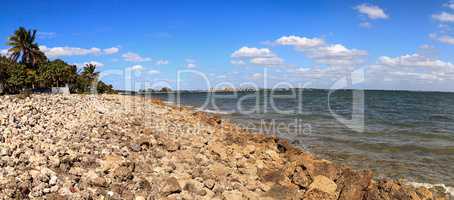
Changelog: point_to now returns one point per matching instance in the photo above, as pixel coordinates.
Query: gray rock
(101, 146)
(53, 180)
(209, 183)
(5, 151)
(136, 147)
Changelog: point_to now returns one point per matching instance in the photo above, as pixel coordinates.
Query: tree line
(26, 67)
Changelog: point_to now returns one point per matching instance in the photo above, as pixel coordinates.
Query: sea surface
(398, 134)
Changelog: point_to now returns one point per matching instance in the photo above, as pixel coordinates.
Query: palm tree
(4, 64)
(89, 71)
(24, 47)
(89, 74)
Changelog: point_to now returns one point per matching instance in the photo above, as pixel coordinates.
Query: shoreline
(184, 155)
(227, 116)
(448, 189)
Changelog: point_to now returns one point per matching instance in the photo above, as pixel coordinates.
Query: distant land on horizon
(278, 89)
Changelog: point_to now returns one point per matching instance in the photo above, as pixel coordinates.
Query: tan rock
(316, 194)
(194, 187)
(249, 149)
(301, 178)
(111, 162)
(123, 173)
(232, 195)
(424, 193)
(94, 179)
(209, 183)
(277, 191)
(354, 184)
(323, 184)
(172, 145)
(219, 170)
(219, 149)
(169, 186)
(127, 148)
(77, 171)
(139, 198)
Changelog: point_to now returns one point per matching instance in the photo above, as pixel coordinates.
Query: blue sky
(391, 44)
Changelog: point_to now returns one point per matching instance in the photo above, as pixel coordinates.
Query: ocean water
(398, 134)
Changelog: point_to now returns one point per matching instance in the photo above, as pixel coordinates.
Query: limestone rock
(323, 184)
(209, 183)
(136, 147)
(124, 147)
(169, 186)
(232, 195)
(316, 194)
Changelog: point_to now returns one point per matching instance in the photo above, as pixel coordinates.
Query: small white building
(61, 90)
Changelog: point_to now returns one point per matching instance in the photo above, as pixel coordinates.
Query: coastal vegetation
(26, 68)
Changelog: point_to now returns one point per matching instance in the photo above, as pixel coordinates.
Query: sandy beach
(124, 147)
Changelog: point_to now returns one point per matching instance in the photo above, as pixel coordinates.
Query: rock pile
(120, 147)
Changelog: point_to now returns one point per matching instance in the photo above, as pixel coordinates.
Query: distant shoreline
(128, 92)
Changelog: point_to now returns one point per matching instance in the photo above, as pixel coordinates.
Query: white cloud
(323, 53)
(247, 52)
(191, 65)
(162, 62)
(325, 74)
(154, 72)
(337, 51)
(98, 64)
(73, 51)
(267, 61)
(365, 25)
(412, 75)
(303, 70)
(300, 42)
(415, 60)
(372, 11)
(412, 71)
(4, 52)
(446, 39)
(402, 77)
(257, 76)
(426, 46)
(336, 54)
(444, 17)
(237, 62)
(69, 51)
(450, 5)
(443, 38)
(256, 56)
(136, 68)
(133, 57)
(111, 50)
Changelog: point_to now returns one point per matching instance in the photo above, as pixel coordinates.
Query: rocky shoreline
(123, 147)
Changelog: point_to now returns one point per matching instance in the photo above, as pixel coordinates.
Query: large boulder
(323, 184)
